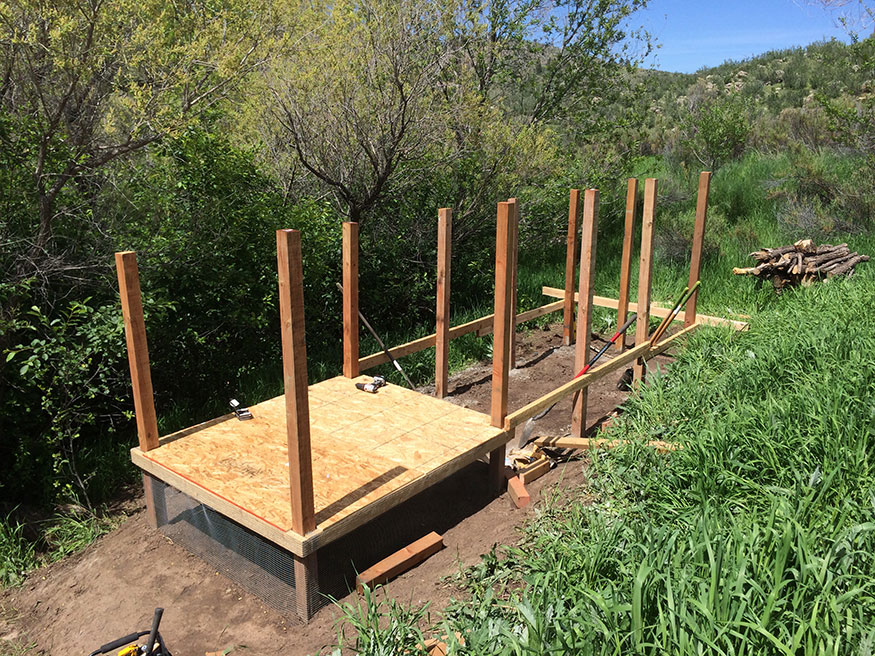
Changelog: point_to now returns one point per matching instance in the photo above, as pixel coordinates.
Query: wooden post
(156, 510)
(645, 271)
(306, 585)
(626, 259)
(291, 292)
(570, 262)
(138, 350)
(350, 299)
(698, 241)
(584, 304)
(514, 209)
(501, 336)
(291, 286)
(442, 328)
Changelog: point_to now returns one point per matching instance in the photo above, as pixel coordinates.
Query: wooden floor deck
(370, 452)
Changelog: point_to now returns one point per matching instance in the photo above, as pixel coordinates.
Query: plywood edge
(362, 516)
(297, 544)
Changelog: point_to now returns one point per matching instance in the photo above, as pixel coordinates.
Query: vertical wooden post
(698, 241)
(291, 293)
(626, 259)
(570, 262)
(501, 337)
(350, 299)
(306, 585)
(584, 304)
(156, 508)
(291, 290)
(442, 328)
(514, 209)
(138, 350)
(645, 271)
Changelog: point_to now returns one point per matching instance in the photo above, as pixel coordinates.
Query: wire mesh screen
(268, 571)
(252, 562)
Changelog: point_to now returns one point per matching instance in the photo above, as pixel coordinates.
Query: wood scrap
(400, 561)
(516, 490)
(801, 263)
(599, 443)
(535, 470)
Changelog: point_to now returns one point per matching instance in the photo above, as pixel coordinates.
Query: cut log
(801, 263)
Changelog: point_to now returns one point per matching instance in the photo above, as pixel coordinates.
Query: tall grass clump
(756, 537)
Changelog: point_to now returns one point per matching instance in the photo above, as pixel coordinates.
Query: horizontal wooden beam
(534, 471)
(655, 310)
(482, 326)
(400, 561)
(514, 419)
(598, 443)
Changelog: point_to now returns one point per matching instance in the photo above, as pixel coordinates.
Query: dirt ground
(112, 587)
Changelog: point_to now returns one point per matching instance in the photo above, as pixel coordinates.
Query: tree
(85, 82)
(381, 86)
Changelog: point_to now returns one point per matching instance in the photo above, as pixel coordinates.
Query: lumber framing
(626, 257)
(442, 312)
(655, 310)
(643, 351)
(645, 273)
(514, 209)
(138, 349)
(292, 329)
(503, 326)
(350, 299)
(570, 263)
(698, 242)
(585, 307)
(482, 326)
(660, 446)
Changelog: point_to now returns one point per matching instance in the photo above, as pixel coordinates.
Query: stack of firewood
(801, 263)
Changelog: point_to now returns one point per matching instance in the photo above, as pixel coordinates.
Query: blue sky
(708, 32)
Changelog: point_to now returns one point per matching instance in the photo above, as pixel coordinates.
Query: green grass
(17, 553)
(757, 537)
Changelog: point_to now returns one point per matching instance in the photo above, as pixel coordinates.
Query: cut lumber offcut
(599, 443)
(655, 310)
(516, 490)
(400, 561)
(534, 471)
(438, 646)
(801, 263)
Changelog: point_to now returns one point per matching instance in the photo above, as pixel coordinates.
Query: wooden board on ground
(400, 561)
(598, 443)
(533, 471)
(655, 310)
(370, 452)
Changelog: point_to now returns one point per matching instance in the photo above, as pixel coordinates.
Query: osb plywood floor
(363, 447)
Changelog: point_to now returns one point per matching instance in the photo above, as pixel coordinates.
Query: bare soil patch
(112, 587)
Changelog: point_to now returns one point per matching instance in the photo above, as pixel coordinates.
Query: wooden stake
(645, 271)
(515, 211)
(138, 349)
(442, 327)
(350, 299)
(626, 259)
(306, 585)
(698, 241)
(584, 305)
(570, 263)
(501, 336)
(291, 290)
